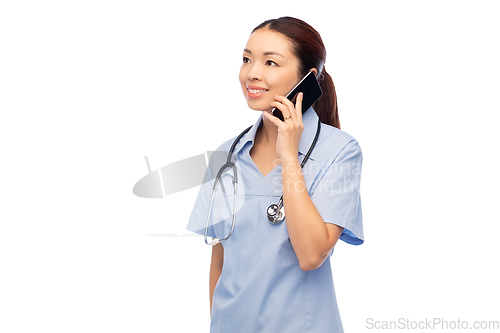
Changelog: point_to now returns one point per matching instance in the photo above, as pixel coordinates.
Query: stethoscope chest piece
(275, 214)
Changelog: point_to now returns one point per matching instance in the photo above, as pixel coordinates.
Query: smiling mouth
(256, 91)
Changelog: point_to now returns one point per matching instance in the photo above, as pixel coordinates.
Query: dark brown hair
(308, 47)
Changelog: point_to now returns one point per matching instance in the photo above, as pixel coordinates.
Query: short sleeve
(337, 194)
(198, 218)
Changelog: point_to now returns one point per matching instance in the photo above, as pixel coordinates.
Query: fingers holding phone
(290, 130)
(311, 90)
(289, 111)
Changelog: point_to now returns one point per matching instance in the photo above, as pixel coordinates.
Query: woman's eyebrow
(266, 53)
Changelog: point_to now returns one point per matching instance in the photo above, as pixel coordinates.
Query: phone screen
(312, 92)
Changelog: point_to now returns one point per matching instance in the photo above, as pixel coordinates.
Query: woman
(277, 277)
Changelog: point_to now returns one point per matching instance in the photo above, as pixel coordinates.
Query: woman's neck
(267, 134)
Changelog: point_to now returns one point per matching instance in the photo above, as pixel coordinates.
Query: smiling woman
(269, 68)
(307, 46)
(276, 277)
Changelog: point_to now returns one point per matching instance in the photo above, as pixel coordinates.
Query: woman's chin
(259, 108)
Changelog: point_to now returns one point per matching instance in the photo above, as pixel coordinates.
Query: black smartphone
(312, 92)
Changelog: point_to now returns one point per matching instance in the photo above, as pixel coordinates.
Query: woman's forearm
(312, 239)
(214, 277)
(215, 270)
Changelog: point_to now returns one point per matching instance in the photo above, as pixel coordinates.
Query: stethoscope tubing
(215, 241)
(275, 212)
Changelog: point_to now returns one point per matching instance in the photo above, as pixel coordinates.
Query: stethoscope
(275, 212)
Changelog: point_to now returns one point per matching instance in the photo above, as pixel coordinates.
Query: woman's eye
(271, 63)
(246, 60)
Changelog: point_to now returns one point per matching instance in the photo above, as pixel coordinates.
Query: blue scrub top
(261, 287)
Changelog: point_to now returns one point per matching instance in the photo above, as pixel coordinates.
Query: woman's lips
(255, 92)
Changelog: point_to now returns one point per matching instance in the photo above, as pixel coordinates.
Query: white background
(88, 88)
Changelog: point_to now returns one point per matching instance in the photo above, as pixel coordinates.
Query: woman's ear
(315, 71)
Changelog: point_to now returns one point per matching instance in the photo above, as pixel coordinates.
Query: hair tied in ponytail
(322, 74)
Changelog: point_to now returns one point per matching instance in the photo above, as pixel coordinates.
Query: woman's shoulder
(218, 157)
(333, 138)
(226, 145)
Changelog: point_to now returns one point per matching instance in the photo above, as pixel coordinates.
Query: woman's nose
(254, 74)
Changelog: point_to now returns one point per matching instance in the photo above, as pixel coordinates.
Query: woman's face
(269, 68)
